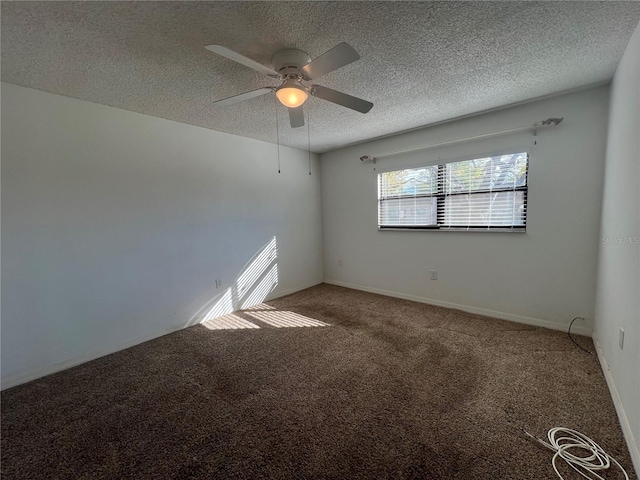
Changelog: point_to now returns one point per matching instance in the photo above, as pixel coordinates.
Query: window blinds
(482, 193)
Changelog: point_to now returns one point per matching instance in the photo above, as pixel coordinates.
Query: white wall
(618, 292)
(115, 226)
(544, 277)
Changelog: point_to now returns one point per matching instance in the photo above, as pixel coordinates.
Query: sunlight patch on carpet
(283, 319)
(228, 322)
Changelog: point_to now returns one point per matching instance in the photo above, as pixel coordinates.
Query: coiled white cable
(596, 460)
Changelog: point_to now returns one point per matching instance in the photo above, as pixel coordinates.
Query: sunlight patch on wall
(280, 319)
(222, 306)
(228, 322)
(256, 268)
(266, 285)
(257, 279)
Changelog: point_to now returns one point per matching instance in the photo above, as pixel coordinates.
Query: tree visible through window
(482, 193)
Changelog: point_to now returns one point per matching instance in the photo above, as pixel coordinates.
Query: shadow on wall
(256, 280)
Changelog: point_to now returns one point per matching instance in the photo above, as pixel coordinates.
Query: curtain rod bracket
(552, 121)
(366, 158)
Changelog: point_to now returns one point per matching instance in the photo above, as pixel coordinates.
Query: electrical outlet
(434, 274)
(340, 262)
(621, 338)
(218, 283)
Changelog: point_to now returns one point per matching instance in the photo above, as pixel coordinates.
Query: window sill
(435, 229)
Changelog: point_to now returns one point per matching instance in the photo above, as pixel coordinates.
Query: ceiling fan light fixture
(291, 94)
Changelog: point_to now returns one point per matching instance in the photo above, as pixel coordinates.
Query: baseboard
(617, 402)
(282, 293)
(73, 362)
(536, 322)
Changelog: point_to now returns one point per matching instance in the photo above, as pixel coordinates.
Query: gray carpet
(390, 389)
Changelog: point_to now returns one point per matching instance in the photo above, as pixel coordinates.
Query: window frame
(441, 195)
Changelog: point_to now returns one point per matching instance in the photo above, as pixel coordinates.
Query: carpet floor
(386, 389)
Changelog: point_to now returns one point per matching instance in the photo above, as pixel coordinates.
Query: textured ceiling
(421, 62)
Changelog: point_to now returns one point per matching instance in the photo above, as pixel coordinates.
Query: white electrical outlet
(434, 274)
(621, 338)
(339, 262)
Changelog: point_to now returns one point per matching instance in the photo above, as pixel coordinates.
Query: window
(487, 193)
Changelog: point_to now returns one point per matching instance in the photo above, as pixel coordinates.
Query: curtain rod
(534, 127)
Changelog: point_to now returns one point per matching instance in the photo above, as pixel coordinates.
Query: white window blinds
(484, 193)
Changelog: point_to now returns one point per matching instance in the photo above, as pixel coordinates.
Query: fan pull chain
(309, 134)
(275, 104)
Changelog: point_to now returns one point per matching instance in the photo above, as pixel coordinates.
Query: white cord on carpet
(571, 439)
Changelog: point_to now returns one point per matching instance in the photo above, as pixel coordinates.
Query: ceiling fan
(293, 68)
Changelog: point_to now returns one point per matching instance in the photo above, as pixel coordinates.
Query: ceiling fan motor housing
(289, 61)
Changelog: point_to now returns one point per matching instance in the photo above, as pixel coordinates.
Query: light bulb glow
(291, 97)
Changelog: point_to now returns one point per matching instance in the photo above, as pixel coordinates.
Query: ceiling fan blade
(244, 96)
(236, 57)
(296, 117)
(354, 103)
(339, 56)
